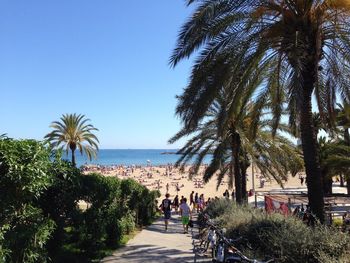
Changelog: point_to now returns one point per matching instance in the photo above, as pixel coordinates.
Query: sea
(132, 157)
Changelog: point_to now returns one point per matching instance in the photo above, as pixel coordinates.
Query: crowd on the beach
(197, 203)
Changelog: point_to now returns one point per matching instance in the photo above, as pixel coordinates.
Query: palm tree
(72, 133)
(304, 45)
(232, 148)
(334, 159)
(343, 122)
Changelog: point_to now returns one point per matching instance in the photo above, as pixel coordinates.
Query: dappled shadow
(148, 253)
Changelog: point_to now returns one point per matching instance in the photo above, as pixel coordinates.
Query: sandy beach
(158, 177)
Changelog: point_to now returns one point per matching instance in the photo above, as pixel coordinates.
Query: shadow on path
(147, 253)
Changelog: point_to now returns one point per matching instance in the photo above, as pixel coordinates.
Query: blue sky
(107, 59)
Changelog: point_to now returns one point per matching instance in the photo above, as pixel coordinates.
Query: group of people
(304, 214)
(197, 203)
(185, 211)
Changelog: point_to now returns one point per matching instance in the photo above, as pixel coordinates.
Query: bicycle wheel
(202, 248)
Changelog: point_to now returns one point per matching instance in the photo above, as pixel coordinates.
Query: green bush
(40, 218)
(24, 176)
(287, 239)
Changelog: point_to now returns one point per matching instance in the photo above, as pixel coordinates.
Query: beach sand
(151, 175)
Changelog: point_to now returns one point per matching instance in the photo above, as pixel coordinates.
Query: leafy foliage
(40, 216)
(24, 176)
(287, 239)
(293, 48)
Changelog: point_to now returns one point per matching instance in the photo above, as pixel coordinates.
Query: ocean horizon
(131, 157)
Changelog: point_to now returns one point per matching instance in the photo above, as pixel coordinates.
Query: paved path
(153, 244)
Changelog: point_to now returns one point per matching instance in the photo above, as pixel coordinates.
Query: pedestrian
(166, 208)
(185, 213)
(233, 195)
(176, 203)
(167, 188)
(226, 194)
(196, 202)
(201, 202)
(182, 198)
(191, 198)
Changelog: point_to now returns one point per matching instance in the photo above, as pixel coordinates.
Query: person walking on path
(191, 199)
(166, 208)
(185, 213)
(176, 203)
(196, 202)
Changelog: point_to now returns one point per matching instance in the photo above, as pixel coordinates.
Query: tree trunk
(309, 145)
(244, 164)
(327, 183)
(341, 176)
(235, 147)
(348, 184)
(73, 158)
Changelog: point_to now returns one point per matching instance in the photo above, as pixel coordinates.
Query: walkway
(154, 245)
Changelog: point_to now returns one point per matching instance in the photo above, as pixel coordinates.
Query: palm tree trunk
(341, 180)
(309, 145)
(235, 147)
(73, 158)
(244, 164)
(348, 184)
(327, 182)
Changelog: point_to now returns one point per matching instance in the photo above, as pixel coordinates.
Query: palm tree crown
(73, 132)
(304, 46)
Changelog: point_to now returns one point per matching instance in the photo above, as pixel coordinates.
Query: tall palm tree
(343, 123)
(73, 132)
(233, 147)
(334, 160)
(304, 45)
(343, 120)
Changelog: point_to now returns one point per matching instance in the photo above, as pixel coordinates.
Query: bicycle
(226, 251)
(208, 238)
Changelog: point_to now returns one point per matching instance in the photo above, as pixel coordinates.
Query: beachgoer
(226, 194)
(181, 199)
(296, 211)
(166, 208)
(167, 187)
(176, 203)
(191, 198)
(196, 201)
(233, 194)
(201, 203)
(177, 188)
(185, 213)
(208, 201)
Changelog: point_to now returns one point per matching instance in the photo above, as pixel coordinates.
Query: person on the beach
(200, 203)
(166, 208)
(176, 203)
(233, 194)
(167, 187)
(185, 213)
(181, 199)
(196, 202)
(191, 199)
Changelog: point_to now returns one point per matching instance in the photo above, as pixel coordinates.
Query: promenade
(153, 245)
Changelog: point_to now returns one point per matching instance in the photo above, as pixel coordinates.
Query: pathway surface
(153, 245)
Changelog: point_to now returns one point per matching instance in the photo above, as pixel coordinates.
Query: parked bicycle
(226, 251)
(223, 250)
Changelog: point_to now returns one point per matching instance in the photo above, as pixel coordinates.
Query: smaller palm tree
(73, 132)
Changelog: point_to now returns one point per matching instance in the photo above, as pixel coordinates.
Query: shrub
(287, 239)
(24, 176)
